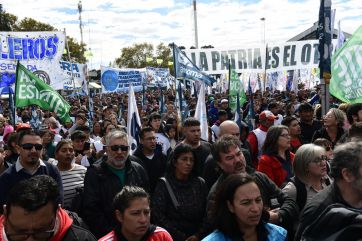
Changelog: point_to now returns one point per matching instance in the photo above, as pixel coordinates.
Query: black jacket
(322, 133)
(315, 207)
(100, 187)
(154, 167)
(272, 196)
(76, 233)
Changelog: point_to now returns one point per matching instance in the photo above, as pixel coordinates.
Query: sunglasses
(117, 147)
(29, 146)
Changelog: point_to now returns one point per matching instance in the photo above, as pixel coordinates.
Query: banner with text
(118, 80)
(157, 76)
(39, 52)
(73, 76)
(259, 58)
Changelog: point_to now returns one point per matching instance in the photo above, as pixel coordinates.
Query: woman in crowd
(171, 133)
(155, 122)
(11, 154)
(310, 169)
(99, 144)
(97, 131)
(72, 174)
(332, 128)
(182, 215)
(48, 143)
(239, 213)
(276, 161)
(130, 205)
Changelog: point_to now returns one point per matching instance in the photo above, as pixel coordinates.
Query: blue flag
(324, 34)
(184, 68)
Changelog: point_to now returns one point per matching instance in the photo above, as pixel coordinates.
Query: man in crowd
(32, 212)
(150, 156)
(105, 179)
(354, 113)
(227, 152)
(29, 146)
(257, 137)
(296, 139)
(308, 125)
(211, 170)
(346, 169)
(274, 108)
(222, 116)
(84, 154)
(201, 149)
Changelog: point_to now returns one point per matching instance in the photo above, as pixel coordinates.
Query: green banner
(346, 82)
(30, 90)
(235, 88)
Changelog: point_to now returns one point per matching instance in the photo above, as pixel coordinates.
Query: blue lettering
(52, 46)
(11, 48)
(17, 49)
(28, 45)
(39, 48)
(65, 65)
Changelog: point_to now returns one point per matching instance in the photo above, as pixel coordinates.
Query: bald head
(229, 127)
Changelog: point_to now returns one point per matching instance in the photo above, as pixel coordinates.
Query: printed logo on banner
(109, 80)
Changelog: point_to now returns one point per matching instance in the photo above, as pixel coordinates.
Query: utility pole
(195, 26)
(80, 21)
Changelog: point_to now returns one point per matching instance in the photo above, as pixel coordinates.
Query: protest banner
(74, 74)
(39, 52)
(118, 80)
(258, 58)
(157, 76)
(31, 90)
(346, 82)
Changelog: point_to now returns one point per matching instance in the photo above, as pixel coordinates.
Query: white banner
(74, 75)
(39, 52)
(278, 57)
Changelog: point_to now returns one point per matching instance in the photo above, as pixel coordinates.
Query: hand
(274, 216)
(192, 238)
(78, 159)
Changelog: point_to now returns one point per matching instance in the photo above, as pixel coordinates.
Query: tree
(31, 25)
(142, 55)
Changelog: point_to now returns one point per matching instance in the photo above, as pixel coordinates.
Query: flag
(340, 37)
(162, 104)
(12, 108)
(133, 121)
(346, 70)
(149, 59)
(30, 90)
(200, 113)
(251, 115)
(159, 61)
(324, 34)
(184, 68)
(236, 89)
(179, 94)
(238, 115)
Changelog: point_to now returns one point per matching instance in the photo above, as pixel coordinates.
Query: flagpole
(229, 82)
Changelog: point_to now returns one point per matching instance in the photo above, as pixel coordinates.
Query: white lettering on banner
(274, 57)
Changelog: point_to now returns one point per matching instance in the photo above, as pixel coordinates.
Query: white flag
(200, 113)
(133, 121)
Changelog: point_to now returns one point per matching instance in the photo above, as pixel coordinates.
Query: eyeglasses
(42, 235)
(117, 147)
(319, 160)
(285, 135)
(29, 146)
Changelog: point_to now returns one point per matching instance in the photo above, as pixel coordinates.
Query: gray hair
(339, 115)
(348, 155)
(305, 155)
(115, 134)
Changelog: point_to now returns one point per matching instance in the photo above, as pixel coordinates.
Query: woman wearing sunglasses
(310, 169)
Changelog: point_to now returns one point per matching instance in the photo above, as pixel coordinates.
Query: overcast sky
(110, 25)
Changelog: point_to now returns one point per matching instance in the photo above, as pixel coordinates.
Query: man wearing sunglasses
(32, 213)
(105, 179)
(29, 146)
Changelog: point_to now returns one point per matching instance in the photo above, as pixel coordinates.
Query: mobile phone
(86, 145)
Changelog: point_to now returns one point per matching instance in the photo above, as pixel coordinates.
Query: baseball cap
(266, 114)
(224, 101)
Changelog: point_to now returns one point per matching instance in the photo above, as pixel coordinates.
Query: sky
(110, 25)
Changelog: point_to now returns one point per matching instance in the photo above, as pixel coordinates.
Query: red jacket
(272, 167)
(159, 234)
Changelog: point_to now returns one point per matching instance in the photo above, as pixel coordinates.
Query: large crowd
(294, 174)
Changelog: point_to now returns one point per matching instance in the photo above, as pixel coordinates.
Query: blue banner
(184, 68)
(118, 80)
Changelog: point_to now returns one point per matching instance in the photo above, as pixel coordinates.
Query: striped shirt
(71, 180)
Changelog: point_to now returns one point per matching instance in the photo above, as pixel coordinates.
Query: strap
(172, 195)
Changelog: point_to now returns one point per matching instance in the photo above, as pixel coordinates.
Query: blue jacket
(275, 233)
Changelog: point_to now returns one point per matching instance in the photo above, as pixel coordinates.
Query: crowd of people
(297, 175)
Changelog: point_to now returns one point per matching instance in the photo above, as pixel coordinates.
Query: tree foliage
(136, 56)
(10, 22)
